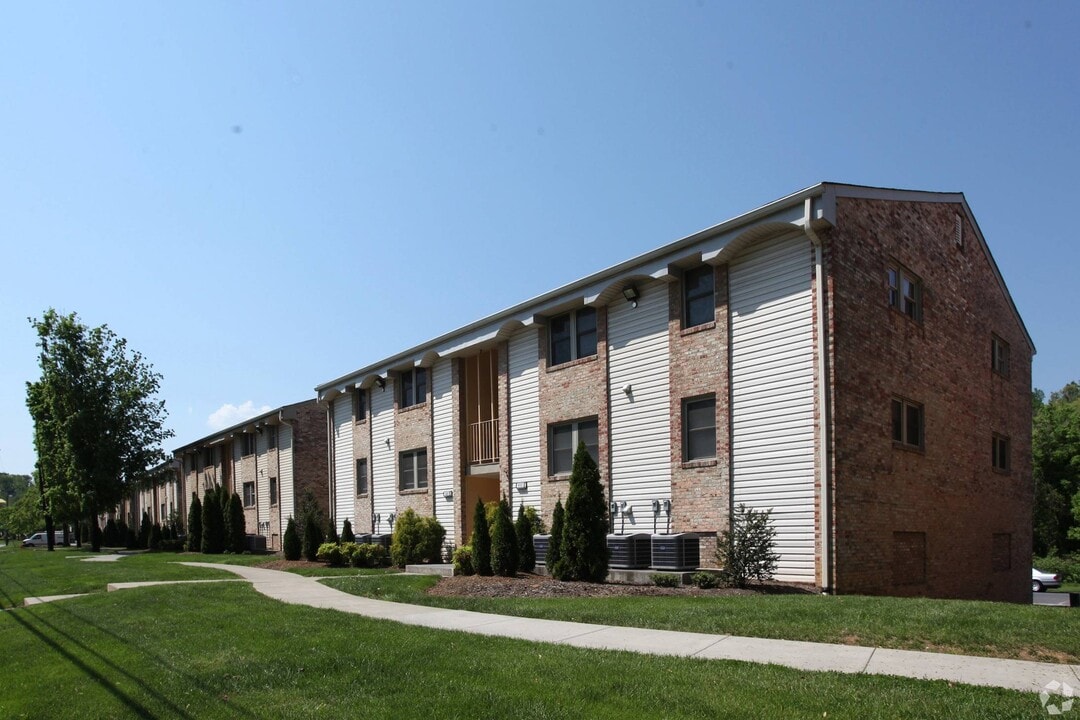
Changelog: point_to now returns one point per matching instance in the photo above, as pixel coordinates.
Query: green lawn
(26, 572)
(223, 651)
(957, 626)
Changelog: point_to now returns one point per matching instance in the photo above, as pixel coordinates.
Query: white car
(1041, 580)
(41, 539)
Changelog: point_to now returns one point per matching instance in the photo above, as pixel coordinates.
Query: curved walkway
(993, 672)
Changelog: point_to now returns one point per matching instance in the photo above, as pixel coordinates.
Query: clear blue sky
(263, 196)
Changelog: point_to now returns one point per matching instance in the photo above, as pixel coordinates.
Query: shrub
(144, 530)
(481, 540)
(194, 523)
(154, 541)
(308, 508)
(504, 545)
(330, 553)
(665, 580)
(347, 535)
(368, 555)
(705, 580)
(584, 553)
(172, 545)
(131, 539)
(745, 552)
(235, 531)
(535, 520)
(331, 532)
(347, 550)
(1067, 565)
(312, 539)
(463, 561)
(416, 539)
(291, 544)
(112, 535)
(554, 551)
(213, 524)
(523, 528)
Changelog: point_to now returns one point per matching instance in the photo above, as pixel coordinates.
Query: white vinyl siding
(772, 394)
(344, 490)
(442, 421)
(262, 485)
(383, 468)
(286, 497)
(524, 356)
(640, 429)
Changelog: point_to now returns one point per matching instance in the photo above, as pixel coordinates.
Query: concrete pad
(112, 557)
(992, 672)
(440, 570)
(1076, 671)
(643, 640)
(30, 601)
(791, 653)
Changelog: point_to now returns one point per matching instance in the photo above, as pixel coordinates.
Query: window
(1000, 452)
(208, 457)
(360, 405)
(907, 423)
(999, 356)
(361, 476)
(905, 292)
(699, 428)
(271, 437)
(249, 494)
(698, 301)
(273, 491)
(412, 470)
(413, 387)
(563, 442)
(572, 336)
(247, 444)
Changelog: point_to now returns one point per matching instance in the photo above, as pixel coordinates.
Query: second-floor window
(698, 296)
(907, 423)
(412, 469)
(905, 292)
(271, 437)
(273, 491)
(1000, 452)
(360, 405)
(699, 428)
(999, 356)
(413, 387)
(563, 441)
(249, 494)
(572, 336)
(361, 476)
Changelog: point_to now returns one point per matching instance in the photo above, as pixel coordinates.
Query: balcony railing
(484, 442)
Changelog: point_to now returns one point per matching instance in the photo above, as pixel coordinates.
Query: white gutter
(329, 464)
(822, 399)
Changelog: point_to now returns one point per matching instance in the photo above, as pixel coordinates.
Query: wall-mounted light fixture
(387, 442)
(522, 487)
(631, 294)
(381, 382)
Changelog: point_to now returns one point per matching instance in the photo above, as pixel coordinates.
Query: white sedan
(1041, 580)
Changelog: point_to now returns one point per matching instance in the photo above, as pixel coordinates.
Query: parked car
(1041, 580)
(41, 539)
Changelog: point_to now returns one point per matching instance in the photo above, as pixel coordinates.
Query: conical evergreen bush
(504, 545)
(236, 532)
(526, 551)
(291, 543)
(481, 540)
(584, 538)
(213, 535)
(553, 559)
(194, 522)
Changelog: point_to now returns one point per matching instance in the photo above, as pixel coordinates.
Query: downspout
(330, 461)
(824, 430)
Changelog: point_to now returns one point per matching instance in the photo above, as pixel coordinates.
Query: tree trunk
(95, 532)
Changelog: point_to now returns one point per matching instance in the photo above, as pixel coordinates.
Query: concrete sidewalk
(993, 672)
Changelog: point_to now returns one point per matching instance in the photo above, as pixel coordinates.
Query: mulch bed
(539, 586)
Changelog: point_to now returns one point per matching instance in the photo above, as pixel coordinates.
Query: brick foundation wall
(943, 505)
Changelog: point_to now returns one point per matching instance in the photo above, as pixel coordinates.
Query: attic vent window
(958, 232)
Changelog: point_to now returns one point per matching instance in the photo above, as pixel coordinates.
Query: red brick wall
(412, 431)
(884, 495)
(700, 494)
(311, 468)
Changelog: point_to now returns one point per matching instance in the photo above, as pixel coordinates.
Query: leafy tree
(584, 537)
(347, 535)
(554, 551)
(291, 543)
(1055, 450)
(194, 523)
(236, 532)
(523, 528)
(746, 551)
(504, 544)
(98, 426)
(481, 540)
(24, 515)
(213, 524)
(13, 487)
(308, 509)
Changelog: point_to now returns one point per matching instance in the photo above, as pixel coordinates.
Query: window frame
(410, 383)
(414, 458)
(999, 355)
(704, 271)
(910, 307)
(271, 437)
(360, 405)
(575, 437)
(906, 407)
(576, 335)
(273, 490)
(1001, 453)
(362, 490)
(249, 488)
(687, 404)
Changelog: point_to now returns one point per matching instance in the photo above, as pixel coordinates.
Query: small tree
(112, 535)
(291, 544)
(481, 540)
(154, 541)
(347, 535)
(213, 522)
(331, 532)
(745, 552)
(584, 538)
(312, 539)
(194, 524)
(236, 535)
(144, 530)
(554, 551)
(504, 545)
(526, 552)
